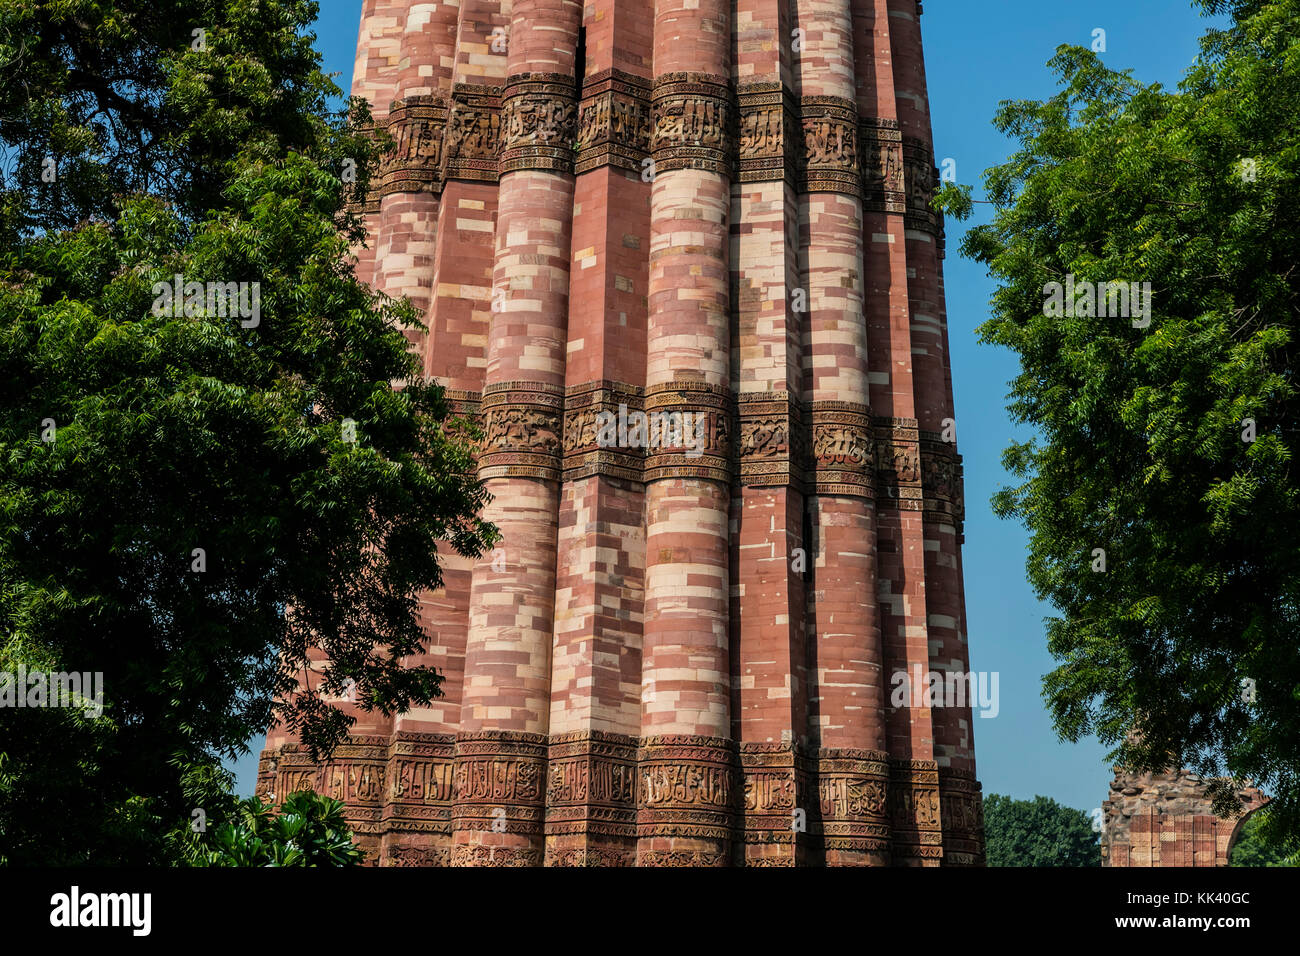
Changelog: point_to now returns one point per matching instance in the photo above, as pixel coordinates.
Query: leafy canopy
(1165, 450)
(1038, 832)
(182, 507)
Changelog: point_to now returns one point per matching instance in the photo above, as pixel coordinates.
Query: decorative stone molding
(421, 784)
(584, 455)
(853, 804)
(687, 791)
(961, 813)
(941, 478)
(473, 133)
(768, 140)
(921, 180)
(591, 800)
(776, 819)
(898, 463)
(830, 160)
(521, 431)
(355, 774)
(692, 121)
(914, 812)
(500, 788)
(418, 126)
(539, 122)
(843, 449)
(884, 180)
(614, 123)
(772, 444)
(711, 409)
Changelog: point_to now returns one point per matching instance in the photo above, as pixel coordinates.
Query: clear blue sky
(979, 52)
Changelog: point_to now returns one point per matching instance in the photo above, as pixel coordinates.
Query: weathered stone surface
(1165, 819)
(685, 281)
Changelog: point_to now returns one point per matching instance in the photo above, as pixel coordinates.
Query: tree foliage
(1254, 849)
(308, 830)
(1038, 832)
(1169, 446)
(182, 507)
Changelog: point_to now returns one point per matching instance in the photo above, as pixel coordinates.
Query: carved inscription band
(683, 120)
(686, 429)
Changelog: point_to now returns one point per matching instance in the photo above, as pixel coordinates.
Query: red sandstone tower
(682, 654)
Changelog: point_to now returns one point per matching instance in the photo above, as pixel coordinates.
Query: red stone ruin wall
(690, 206)
(1166, 820)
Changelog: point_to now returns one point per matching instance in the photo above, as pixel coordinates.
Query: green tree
(1161, 492)
(194, 503)
(1038, 832)
(1254, 849)
(309, 830)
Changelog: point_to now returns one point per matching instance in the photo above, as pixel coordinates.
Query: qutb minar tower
(716, 214)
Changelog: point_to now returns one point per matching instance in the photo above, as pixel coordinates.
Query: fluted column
(506, 708)
(940, 465)
(769, 554)
(685, 714)
(847, 706)
(901, 581)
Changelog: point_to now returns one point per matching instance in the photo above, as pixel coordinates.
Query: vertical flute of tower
(408, 212)
(374, 79)
(945, 614)
(408, 220)
(900, 551)
(600, 575)
(769, 685)
(843, 630)
(506, 705)
(685, 685)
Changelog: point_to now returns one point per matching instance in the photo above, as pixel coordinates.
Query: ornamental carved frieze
(592, 784)
(476, 854)
(843, 450)
(473, 133)
(941, 478)
(687, 787)
(356, 775)
(883, 178)
(774, 803)
(614, 122)
(921, 180)
(914, 810)
(768, 134)
(408, 856)
(690, 431)
(521, 431)
(539, 122)
(691, 116)
(853, 794)
(961, 812)
(500, 782)
(417, 126)
(898, 463)
(831, 160)
(771, 440)
(599, 420)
